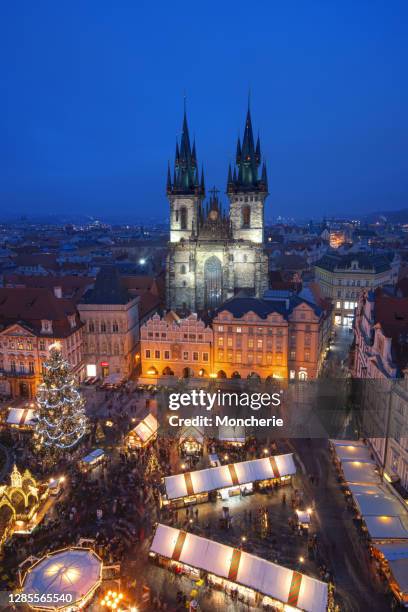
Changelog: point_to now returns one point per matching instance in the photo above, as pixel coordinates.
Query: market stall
(227, 480)
(144, 433)
(231, 436)
(191, 441)
(376, 501)
(360, 472)
(21, 417)
(351, 451)
(393, 557)
(63, 580)
(250, 578)
(90, 461)
(303, 518)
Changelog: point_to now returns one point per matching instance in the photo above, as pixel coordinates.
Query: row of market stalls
(227, 480)
(383, 514)
(254, 580)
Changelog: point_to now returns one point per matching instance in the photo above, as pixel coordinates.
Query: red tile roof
(30, 306)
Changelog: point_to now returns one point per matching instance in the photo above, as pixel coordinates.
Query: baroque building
(212, 256)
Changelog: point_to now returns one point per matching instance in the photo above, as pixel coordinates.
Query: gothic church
(212, 256)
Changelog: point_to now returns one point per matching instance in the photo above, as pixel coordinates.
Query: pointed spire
(168, 178)
(229, 180)
(248, 141)
(238, 156)
(193, 153)
(234, 176)
(264, 177)
(202, 181)
(258, 150)
(177, 153)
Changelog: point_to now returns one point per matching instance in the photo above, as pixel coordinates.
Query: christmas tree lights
(61, 416)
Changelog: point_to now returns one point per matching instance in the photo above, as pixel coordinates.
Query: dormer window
(46, 326)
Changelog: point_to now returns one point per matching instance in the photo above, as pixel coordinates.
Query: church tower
(185, 192)
(247, 192)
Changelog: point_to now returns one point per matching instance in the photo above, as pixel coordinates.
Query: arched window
(103, 327)
(246, 216)
(115, 327)
(183, 269)
(183, 218)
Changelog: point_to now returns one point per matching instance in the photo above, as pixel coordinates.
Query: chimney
(58, 292)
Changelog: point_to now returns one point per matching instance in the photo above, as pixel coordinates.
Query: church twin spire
(186, 179)
(243, 176)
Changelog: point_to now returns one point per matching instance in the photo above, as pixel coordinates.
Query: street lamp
(142, 261)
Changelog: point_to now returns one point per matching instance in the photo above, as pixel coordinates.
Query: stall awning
(228, 433)
(387, 527)
(353, 452)
(360, 472)
(336, 443)
(211, 479)
(146, 428)
(378, 503)
(192, 433)
(394, 550)
(94, 455)
(285, 585)
(23, 417)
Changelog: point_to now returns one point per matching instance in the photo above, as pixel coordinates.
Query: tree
(152, 467)
(61, 415)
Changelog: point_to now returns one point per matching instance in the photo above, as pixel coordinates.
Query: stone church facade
(213, 256)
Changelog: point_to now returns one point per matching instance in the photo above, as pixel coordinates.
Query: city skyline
(91, 126)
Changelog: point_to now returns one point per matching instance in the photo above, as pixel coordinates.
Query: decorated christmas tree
(152, 467)
(61, 415)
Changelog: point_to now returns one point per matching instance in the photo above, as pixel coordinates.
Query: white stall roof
(263, 576)
(337, 443)
(379, 504)
(21, 416)
(399, 569)
(95, 454)
(192, 432)
(224, 476)
(387, 527)
(147, 428)
(353, 453)
(228, 433)
(303, 516)
(71, 571)
(394, 550)
(360, 472)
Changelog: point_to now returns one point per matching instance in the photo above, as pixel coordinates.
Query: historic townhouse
(30, 321)
(381, 360)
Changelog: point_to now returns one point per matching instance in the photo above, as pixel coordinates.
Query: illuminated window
(229, 341)
(220, 341)
(238, 356)
(250, 343)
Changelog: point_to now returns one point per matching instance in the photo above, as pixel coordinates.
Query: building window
(259, 358)
(31, 367)
(239, 330)
(220, 341)
(229, 341)
(307, 355)
(157, 354)
(183, 218)
(338, 304)
(183, 269)
(278, 358)
(148, 353)
(195, 356)
(185, 355)
(42, 345)
(220, 355)
(238, 342)
(21, 367)
(268, 358)
(246, 216)
(229, 356)
(259, 343)
(115, 327)
(205, 356)
(220, 328)
(238, 356)
(167, 354)
(293, 354)
(20, 345)
(103, 327)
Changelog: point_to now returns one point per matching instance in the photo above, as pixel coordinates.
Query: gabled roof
(108, 289)
(374, 263)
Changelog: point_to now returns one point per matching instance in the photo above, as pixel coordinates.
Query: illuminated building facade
(176, 347)
(211, 255)
(31, 320)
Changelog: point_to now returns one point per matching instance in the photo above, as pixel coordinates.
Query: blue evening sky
(91, 100)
